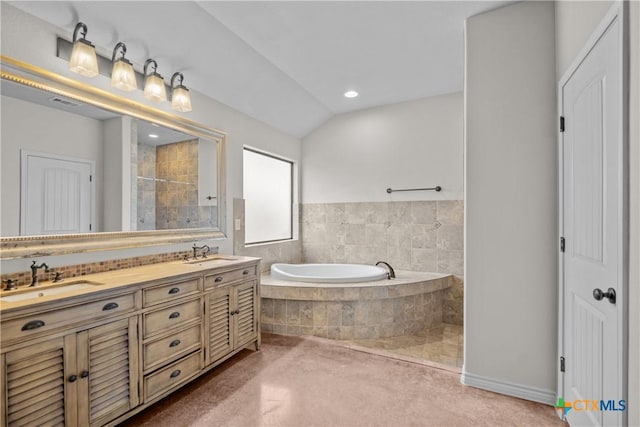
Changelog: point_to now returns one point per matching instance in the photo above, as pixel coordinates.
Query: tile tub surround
(366, 310)
(69, 271)
(418, 236)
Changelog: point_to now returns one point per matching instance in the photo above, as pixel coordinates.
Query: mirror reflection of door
(56, 194)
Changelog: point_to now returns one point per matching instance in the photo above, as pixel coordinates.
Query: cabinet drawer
(169, 292)
(171, 376)
(229, 276)
(30, 325)
(171, 317)
(164, 349)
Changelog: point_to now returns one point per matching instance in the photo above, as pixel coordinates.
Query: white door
(56, 194)
(592, 174)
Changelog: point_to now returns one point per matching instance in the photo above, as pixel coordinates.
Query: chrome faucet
(205, 250)
(34, 272)
(391, 274)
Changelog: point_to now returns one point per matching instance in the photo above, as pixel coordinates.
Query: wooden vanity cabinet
(97, 360)
(172, 336)
(232, 312)
(81, 378)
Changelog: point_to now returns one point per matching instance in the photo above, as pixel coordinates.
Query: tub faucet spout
(391, 274)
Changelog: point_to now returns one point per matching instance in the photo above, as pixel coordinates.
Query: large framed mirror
(86, 170)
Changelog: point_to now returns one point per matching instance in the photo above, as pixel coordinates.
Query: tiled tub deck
(407, 304)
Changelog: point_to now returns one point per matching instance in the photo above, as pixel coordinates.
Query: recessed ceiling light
(153, 135)
(350, 94)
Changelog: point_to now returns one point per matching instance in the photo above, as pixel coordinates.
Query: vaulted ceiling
(287, 64)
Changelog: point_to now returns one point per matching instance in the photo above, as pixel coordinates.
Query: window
(268, 194)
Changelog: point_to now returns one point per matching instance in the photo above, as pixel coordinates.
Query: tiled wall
(416, 236)
(177, 188)
(354, 312)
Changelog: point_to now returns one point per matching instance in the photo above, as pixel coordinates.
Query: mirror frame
(37, 246)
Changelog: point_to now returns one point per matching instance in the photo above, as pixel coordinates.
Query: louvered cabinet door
(246, 316)
(220, 325)
(36, 388)
(108, 371)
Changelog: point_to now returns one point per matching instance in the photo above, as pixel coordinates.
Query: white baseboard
(534, 394)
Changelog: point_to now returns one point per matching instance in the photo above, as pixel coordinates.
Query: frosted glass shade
(154, 88)
(180, 99)
(83, 59)
(123, 77)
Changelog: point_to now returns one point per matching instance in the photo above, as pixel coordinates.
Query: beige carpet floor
(296, 381)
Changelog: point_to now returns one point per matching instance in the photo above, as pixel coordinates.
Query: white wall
(511, 202)
(38, 48)
(116, 154)
(634, 217)
(21, 130)
(575, 22)
(355, 156)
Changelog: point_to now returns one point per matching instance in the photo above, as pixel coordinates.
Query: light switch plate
(238, 224)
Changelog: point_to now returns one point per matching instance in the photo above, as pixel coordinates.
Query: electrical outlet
(238, 224)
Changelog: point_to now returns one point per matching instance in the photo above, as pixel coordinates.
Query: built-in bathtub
(328, 273)
(411, 302)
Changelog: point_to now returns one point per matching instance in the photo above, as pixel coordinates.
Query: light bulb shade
(180, 99)
(83, 59)
(154, 88)
(122, 76)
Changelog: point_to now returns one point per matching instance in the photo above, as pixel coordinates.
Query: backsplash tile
(69, 271)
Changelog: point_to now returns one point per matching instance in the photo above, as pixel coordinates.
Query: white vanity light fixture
(154, 83)
(180, 99)
(83, 56)
(350, 94)
(123, 76)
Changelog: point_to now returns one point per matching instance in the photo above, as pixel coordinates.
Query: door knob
(610, 295)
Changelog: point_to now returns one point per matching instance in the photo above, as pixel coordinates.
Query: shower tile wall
(167, 188)
(177, 188)
(416, 236)
(177, 185)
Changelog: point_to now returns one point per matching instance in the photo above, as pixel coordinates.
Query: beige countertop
(116, 279)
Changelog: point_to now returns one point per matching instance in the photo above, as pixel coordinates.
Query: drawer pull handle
(175, 373)
(218, 279)
(110, 306)
(245, 272)
(73, 378)
(84, 374)
(34, 324)
(174, 343)
(174, 315)
(174, 290)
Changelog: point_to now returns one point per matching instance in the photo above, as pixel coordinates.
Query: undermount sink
(209, 259)
(47, 291)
